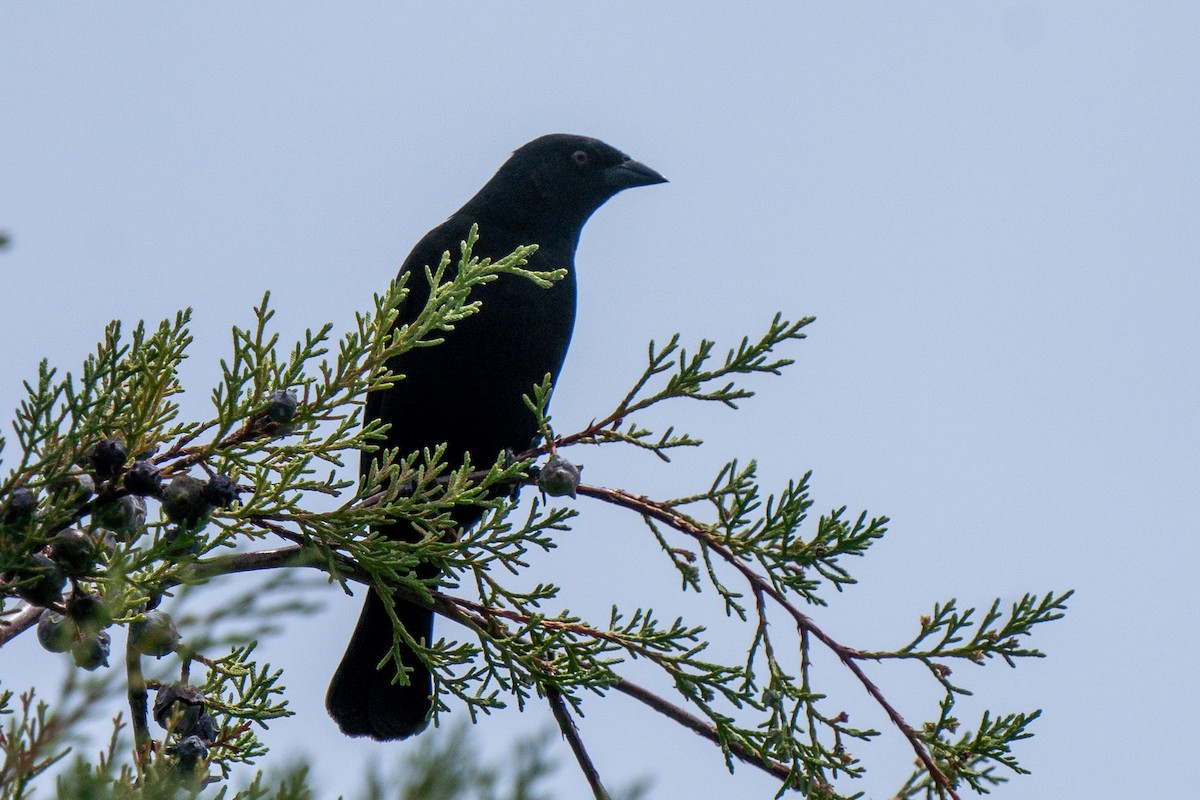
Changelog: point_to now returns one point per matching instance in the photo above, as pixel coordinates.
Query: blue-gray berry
(204, 728)
(55, 632)
(143, 479)
(20, 507)
(282, 406)
(126, 515)
(107, 458)
(154, 634)
(178, 703)
(88, 611)
(91, 650)
(220, 491)
(76, 482)
(191, 751)
(559, 477)
(183, 501)
(39, 581)
(74, 552)
(181, 541)
(104, 539)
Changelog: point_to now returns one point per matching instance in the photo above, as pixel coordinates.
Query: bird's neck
(532, 209)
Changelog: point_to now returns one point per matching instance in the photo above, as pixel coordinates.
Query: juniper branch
(570, 732)
(672, 518)
(128, 388)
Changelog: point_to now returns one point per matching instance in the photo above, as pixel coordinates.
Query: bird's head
(570, 176)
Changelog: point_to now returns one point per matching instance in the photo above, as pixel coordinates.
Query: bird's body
(467, 391)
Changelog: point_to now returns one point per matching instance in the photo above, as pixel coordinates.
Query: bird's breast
(468, 391)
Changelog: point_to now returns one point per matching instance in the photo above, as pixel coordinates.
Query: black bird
(467, 392)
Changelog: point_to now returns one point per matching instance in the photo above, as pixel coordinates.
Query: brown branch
(475, 617)
(255, 560)
(182, 457)
(562, 715)
(702, 728)
(594, 429)
(293, 556)
(18, 623)
(138, 707)
(849, 657)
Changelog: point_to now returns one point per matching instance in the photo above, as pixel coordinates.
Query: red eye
(580, 157)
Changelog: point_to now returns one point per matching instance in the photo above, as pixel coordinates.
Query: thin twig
(138, 707)
(292, 556)
(562, 715)
(702, 728)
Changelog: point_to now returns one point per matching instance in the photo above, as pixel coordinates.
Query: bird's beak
(631, 173)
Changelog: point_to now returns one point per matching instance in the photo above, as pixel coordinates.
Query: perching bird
(467, 391)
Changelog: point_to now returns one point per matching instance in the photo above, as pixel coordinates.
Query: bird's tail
(362, 699)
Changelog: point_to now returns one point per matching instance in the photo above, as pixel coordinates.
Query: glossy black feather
(468, 391)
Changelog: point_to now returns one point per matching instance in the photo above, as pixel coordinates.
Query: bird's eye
(580, 157)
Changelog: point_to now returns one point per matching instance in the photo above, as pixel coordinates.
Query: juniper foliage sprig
(242, 696)
(34, 732)
(688, 376)
(28, 742)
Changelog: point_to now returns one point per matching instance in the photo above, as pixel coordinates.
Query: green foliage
(240, 692)
(28, 742)
(450, 766)
(763, 554)
(33, 732)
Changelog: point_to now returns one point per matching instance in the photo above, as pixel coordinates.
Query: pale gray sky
(990, 207)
